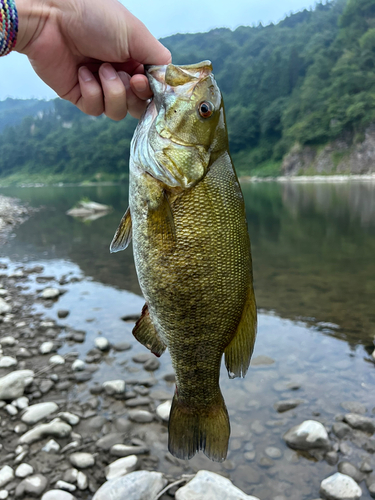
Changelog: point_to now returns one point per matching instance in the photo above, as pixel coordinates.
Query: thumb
(143, 46)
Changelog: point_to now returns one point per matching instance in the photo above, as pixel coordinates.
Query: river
(313, 249)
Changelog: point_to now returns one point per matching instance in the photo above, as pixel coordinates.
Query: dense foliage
(308, 80)
(13, 111)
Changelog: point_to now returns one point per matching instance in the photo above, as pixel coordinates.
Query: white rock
(58, 495)
(4, 307)
(24, 470)
(8, 341)
(7, 362)
(35, 413)
(21, 403)
(51, 447)
(12, 410)
(210, 486)
(308, 435)
(164, 410)
(63, 485)
(78, 365)
(102, 343)
(69, 417)
(339, 487)
(141, 416)
(3, 292)
(3, 494)
(56, 360)
(140, 485)
(82, 481)
(6, 475)
(46, 347)
(56, 428)
(82, 460)
(13, 385)
(114, 387)
(121, 467)
(50, 293)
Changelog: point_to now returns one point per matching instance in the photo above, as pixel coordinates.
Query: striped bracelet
(8, 26)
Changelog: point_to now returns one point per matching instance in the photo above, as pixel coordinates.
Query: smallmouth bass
(187, 220)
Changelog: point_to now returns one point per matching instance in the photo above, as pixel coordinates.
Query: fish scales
(192, 254)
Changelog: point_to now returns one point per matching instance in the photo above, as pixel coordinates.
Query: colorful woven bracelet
(8, 26)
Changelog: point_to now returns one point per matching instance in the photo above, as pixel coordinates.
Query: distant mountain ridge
(13, 111)
(306, 81)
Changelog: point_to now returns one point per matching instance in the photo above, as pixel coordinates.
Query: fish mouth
(177, 79)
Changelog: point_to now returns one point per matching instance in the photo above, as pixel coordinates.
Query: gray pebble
(152, 365)
(32, 485)
(82, 460)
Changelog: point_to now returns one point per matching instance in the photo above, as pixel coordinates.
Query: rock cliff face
(342, 156)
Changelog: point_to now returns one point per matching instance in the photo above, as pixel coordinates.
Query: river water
(314, 267)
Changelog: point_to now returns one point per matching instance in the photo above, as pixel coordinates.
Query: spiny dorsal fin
(123, 234)
(144, 331)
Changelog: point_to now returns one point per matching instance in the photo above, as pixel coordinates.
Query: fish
(187, 223)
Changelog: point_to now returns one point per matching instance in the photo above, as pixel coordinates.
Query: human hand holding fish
(91, 52)
(191, 246)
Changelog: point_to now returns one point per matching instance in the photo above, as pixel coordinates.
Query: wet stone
(140, 401)
(45, 386)
(63, 485)
(121, 467)
(152, 365)
(143, 357)
(341, 430)
(365, 424)
(134, 486)
(163, 411)
(83, 376)
(51, 447)
(108, 441)
(122, 346)
(37, 412)
(46, 347)
(56, 428)
(12, 386)
(366, 466)
(123, 450)
(56, 360)
(32, 485)
(262, 361)
(78, 365)
(102, 344)
(332, 457)
(308, 435)
(287, 405)
(63, 313)
(273, 452)
(82, 460)
(340, 487)
(114, 387)
(58, 495)
(350, 470)
(7, 362)
(141, 416)
(6, 475)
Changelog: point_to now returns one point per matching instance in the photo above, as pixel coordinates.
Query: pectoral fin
(123, 234)
(239, 351)
(144, 331)
(160, 221)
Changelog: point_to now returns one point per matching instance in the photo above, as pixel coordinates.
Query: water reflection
(313, 247)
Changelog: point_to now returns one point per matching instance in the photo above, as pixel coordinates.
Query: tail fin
(194, 429)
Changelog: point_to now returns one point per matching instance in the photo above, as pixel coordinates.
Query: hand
(91, 52)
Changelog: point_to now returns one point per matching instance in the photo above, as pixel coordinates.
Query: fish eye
(206, 109)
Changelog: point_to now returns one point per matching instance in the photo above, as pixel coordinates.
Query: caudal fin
(193, 429)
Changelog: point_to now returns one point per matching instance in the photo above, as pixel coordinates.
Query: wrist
(32, 15)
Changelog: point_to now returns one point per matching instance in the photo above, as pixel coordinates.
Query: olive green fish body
(192, 255)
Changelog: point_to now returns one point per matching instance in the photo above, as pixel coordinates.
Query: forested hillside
(308, 79)
(13, 111)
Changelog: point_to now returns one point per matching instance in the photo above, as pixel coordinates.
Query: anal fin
(238, 352)
(144, 331)
(123, 234)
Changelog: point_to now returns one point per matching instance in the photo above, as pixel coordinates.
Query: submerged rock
(140, 485)
(210, 486)
(50, 293)
(365, 424)
(308, 435)
(340, 487)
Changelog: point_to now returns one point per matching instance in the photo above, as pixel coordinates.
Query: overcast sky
(163, 18)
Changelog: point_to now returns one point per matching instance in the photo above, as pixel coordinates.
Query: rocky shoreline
(57, 445)
(12, 213)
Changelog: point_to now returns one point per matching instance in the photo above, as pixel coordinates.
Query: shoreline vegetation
(299, 96)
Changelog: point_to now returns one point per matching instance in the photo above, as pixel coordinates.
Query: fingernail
(108, 72)
(140, 85)
(85, 74)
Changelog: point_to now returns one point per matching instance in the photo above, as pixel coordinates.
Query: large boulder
(140, 485)
(210, 486)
